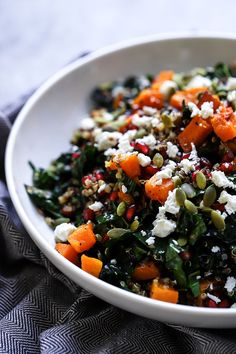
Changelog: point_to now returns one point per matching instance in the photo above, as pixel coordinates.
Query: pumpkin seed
(117, 232)
(140, 133)
(167, 121)
(190, 206)
(177, 181)
(182, 242)
(189, 190)
(206, 209)
(209, 196)
(201, 180)
(158, 160)
(180, 196)
(121, 209)
(134, 226)
(218, 220)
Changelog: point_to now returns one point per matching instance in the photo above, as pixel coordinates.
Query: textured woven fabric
(42, 311)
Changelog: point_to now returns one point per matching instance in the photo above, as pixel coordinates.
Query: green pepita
(177, 181)
(134, 226)
(218, 220)
(201, 180)
(140, 133)
(190, 207)
(117, 232)
(180, 196)
(121, 209)
(167, 121)
(182, 242)
(158, 160)
(209, 196)
(189, 190)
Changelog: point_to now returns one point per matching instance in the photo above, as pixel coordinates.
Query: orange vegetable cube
(224, 124)
(149, 97)
(163, 293)
(130, 165)
(145, 271)
(195, 132)
(187, 95)
(67, 251)
(91, 265)
(125, 197)
(83, 238)
(156, 191)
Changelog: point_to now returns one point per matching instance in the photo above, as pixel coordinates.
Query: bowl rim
(58, 260)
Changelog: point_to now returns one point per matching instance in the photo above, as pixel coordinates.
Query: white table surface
(38, 37)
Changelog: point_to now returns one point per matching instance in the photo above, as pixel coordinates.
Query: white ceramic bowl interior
(45, 125)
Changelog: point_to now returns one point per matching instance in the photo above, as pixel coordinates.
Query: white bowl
(45, 125)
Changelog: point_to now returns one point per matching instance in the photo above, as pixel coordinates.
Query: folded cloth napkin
(42, 311)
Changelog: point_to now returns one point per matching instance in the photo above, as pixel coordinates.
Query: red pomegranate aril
(194, 175)
(113, 196)
(144, 149)
(224, 303)
(151, 170)
(99, 176)
(185, 255)
(228, 156)
(218, 206)
(130, 213)
(185, 156)
(212, 304)
(205, 162)
(75, 155)
(88, 214)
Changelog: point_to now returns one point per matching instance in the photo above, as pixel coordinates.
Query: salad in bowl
(145, 199)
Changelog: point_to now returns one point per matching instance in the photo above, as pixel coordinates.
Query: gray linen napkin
(42, 311)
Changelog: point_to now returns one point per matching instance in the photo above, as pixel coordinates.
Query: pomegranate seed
(99, 176)
(185, 255)
(75, 155)
(130, 213)
(144, 149)
(212, 304)
(185, 156)
(224, 303)
(113, 196)
(151, 170)
(205, 162)
(88, 214)
(105, 238)
(226, 167)
(132, 144)
(218, 206)
(228, 156)
(194, 174)
(85, 178)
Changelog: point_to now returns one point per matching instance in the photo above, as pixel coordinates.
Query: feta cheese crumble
(124, 189)
(144, 160)
(230, 284)
(215, 249)
(199, 81)
(163, 227)
(167, 87)
(148, 140)
(231, 96)
(87, 124)
(63, 231)
(207, 110)
(96, 206)
(229, 201)
(107, 140)
(220, 180)
(150, 241)
(231, 83)
(194, 109)
(172, 150)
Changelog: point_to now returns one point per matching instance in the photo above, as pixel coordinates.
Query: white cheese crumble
(141, 121)
(214, 298)
(124, 189)
(96, 206)
(163, 227)
(187, 165)
(167, 87)
(231, 83)
(150, 241)
(199, 81)
(215, 249)
(231, 96)
(62, 231)
(124, 141)
(230, 284)
(144, 160)
(143, 233)
(149, 111)
(220, 180)
(194, 109)
(106, 140)
(230, 201)
(87, 124)
(172, 150)
(207, 110)
(148, 140)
